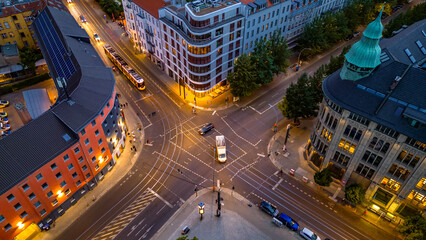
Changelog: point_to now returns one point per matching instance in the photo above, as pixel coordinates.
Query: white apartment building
(196, 43)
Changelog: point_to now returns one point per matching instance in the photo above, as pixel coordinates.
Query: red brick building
(50, 163)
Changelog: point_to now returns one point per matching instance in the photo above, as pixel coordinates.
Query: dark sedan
(268, 208)
(205, 128)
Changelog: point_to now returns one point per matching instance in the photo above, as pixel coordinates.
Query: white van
(221, 148)
(309, 235)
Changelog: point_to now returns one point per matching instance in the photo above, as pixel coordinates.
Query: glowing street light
(101, 159)
(60, 193)
(20, 225)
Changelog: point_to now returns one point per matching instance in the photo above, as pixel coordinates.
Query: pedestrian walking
(127, 104)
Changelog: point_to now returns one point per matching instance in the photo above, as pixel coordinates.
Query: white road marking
(213, 112)
(261, 155)
(278, 183)
(161, 198)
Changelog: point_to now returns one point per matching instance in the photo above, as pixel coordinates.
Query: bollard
(305, 179)
(292, 172)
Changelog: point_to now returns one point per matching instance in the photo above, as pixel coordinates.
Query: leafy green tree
(243, 79)
(355, 193)
(313, 37)
(28, 57)
(315, 83)
(280, 52)
(323, 178)
(413, 15)
(414, 228)
(299, 100)
(336, 62)
(264, 62)
(186, 238)
(111, 7)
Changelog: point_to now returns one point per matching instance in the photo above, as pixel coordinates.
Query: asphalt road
(180, 160)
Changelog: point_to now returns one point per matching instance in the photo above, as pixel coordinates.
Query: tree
(243, 79)
(414, 228)
(264, 62)
(355, 193)
(278, 47)
(315, 83)
(299, 100)
(411, 16)
(336, 62)
(28, 57)
(186, 238)
(323, 178)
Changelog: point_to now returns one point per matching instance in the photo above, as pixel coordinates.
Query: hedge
(23, 84)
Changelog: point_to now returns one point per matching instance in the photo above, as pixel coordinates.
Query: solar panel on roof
(57, 52)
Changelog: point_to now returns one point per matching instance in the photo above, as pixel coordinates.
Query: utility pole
(219, 206)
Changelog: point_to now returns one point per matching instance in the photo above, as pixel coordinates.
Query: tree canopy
(278, 47)
(355, 193)
(411, 16)
(323, 178)
(243, 79)
(264, 61)
(414, 228)
(111, 7)
(28, 57)
(299, 100)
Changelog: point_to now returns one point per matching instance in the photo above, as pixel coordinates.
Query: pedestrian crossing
(113, 228)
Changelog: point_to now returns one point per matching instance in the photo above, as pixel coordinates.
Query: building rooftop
(203, 7)
(152, 6)
(44, 138)
(365, 96)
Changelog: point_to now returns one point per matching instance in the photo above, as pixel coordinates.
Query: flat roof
(206, 8)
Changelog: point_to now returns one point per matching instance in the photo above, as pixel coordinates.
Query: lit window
(54, 202)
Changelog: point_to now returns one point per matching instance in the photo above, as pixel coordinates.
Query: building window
(84, 168)
(103, 150)
(86, 141)
(7, 227)
(365, 171)
(88, 175)
(49, 194)
(372, 158)
(70, 166)
(408, 159)
(17, 206)
(100, 141)
(417, 144)
(90, 150)
(67, 192)
(39, 176)
(54, 202)
(10, 197)
(390, 184)
(82, 132)
(31, 196)
(25, 187)
(23, 215)
(93, 123)
(44, 186)
(347, 146)
(42, 212)
(58, 175)
(1, 218)
(63, 183)
(78, 183)
(352, 132)
(37, 204)
(6, 24)
(74, 175)
(97, 167)
(326, 134)
(76, 150)
(80, 159)
(341, 158)
(399, 171)
(96, 132)
(93, 159)
(53, 166)
(385, 130)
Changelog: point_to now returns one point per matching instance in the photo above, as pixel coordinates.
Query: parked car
(4, 133)
(268, 208)
(288, 221)
(4, 103)
(309, 235)
(97, 38)
(205, 128)
(3, 114)
(4, 127)
(83, 19)
(4, 120)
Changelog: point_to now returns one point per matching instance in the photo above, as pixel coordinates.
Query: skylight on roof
(420, 45)
(411, 57)
(66, 137)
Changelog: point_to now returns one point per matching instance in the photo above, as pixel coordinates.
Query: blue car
(288, 221)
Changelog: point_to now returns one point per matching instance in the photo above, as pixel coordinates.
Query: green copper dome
(364, 55)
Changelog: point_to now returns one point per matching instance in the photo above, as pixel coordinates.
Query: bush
(23, 84)
(355, 193)
(323, 178)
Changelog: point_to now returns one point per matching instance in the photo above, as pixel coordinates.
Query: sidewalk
(124, 163)
(237, 221)
(295, 159)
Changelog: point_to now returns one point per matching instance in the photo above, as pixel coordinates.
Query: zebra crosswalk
(113, 228)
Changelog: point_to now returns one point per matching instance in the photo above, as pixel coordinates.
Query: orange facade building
(50, 163)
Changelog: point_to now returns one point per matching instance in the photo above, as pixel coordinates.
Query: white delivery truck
(221, 148)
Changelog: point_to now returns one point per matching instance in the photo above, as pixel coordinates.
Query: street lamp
(298, 59)
(201, 210)
(276, 118)
(286, 136)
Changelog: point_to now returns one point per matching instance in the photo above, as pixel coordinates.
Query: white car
(309, 235)
(96, 36)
